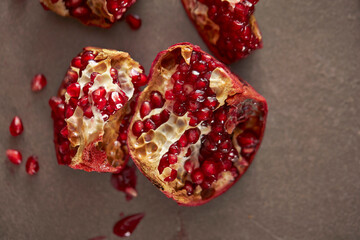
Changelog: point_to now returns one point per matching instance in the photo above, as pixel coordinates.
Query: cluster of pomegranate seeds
(16, 126)
(118, 7)
(38, 82)
(126, 226)
(125, 181)
(32, 165)
(134, 21)
(77, 8)
(14, 156)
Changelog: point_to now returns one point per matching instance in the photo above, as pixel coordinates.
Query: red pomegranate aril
(172, 158)
(165, 115)
(156, 119)
(156, 100)
(189, 166)
(72, 3)
(116, 100)
(204, 114)
(169, 95)
(174, 149)
(209, 168)
(139, 80)
(149, 125)
(247, 139)
(189, 188)
(86, 57)
(183, 141)
(76, 62)
(80, 12)
(164, 162)
(38, 82)
(72, 76)
(206, 184)
(125, 181)
(69, 112)
(64, 147)
(98, 94)
(202, 83)
(134, 21)
(197, 176)
(211, 103)
(93, 76)
(145, 109)
(114, 74)
(87, 87)
(16, 126)
(138, 128)
(14, 156)
(84, 100)
(188, 153)
(73, 102)
(54, 102)
(172, 177)
(88, 112)
(64, 132)
(126, 226)
(73, 90)
(32, 165)
(193, 135)
(179, 108)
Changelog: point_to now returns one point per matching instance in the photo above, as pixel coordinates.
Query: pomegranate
(16, 126)
(102, 13)
(134, 21)
(125, 181)
(38, 82)
(228, 27)
(92, 110)
(196, 126)
(32, 165)
(126, 226)
(14, 156)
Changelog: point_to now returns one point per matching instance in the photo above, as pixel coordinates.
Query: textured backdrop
(304, 182)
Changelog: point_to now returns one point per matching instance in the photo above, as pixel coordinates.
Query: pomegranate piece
(32, 165)
(125, 181)
(196, 153)
(38, 82)
(14, 156)
(228, 27)
(16, 126)
(134, 21)
(126, 226)
(93, 109)
(101, 13)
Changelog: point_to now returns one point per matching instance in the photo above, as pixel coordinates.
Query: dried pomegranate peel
(196, 126)
(93, 108)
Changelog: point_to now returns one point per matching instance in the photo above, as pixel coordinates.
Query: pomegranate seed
(116, 100)
(211, 103)
(139, 80)
(169, 95)
(138, 128)
(179, 108)
(204, 114)
(189, 188)
(86, 57)
(38, 82)
(164, 162)
(209, 168)
(80, 12)
(76, 62)
(114, 74)
(126, 226)
(87, 87)
(72, 3)
(16, 126)
(64, 147)
(73, 102)
(14, 156)
(88, 112)
(172, 158)
(99, 95)
(84, 100)
(72, 76)
(189, 166)
(156, 119)
(156, 100)
(149, 125)
(206, 184)
(174, 149)
(193, 135)
(247, 139)
(73, 90)
(64, 132)
(172, 176)
(188, 153)
(197, 176)
(202, 83)
(69, 112)
(32, 165)
(145, 109)
(54, 102)
(134, 21)
(183, 142)
(165, 115)
(93, 76)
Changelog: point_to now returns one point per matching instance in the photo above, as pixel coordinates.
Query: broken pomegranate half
(196, 127)
(228, 27)
(93, 108)
(102, 13)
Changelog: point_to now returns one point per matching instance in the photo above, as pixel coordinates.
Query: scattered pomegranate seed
(126, 226)
(32, 165)
(38, 82)
(125, 181)
(134, 21)
(145, 109)
(14, 156)
(16, 127)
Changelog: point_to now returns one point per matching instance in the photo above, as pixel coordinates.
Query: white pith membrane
(84, 131)
(148, 149)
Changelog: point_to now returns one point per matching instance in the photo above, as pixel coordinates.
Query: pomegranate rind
(209, 30)
(103, 153)
(237, 90)
(99, 16)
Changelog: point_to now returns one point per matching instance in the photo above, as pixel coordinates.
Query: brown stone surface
(304, 182)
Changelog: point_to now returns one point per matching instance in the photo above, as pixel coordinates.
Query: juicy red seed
(247, 139)
(98, 94)
(179, 108)
(114, 74)
(211, 103)
(165, 115)
(164, 162)
(64, 132)
(149, 124)
(32, 165)
(87, 87)
(134, 21)
(204, 114)
(60, 110)
(207, 182)
(156, 119)
(172, 176)
(172, 158)
(193, 76)
(84, 100)
(183, 141)
(169, 95)
(126, 226)
(72, 76)
(93, 76)
(38, 82)
(225, 146)
(69, 112)
(76, 62)
(16, 126)
(73, 102)
(113, 7)
(193, 135)
(174, 149)
(101, 104)
(145, 109)
(189, 188)
(88, 112)
(226, 165)
(54, 102)
(64, 147)
(80, 12)
(73, 90)
(189, 166)
(156, 100)
(197, 176)
(188, 153)
(209, 168)
(14, 156)
(138, 128)
(86, 57)
(72, 3)
(194, 106)
(193, 121)
(234, 172)
(202, 83)
(116, 100)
